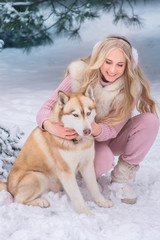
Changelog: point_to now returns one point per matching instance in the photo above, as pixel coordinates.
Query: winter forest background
(38, 39)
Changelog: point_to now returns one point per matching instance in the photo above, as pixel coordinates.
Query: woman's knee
(145, 126)
(150, 122)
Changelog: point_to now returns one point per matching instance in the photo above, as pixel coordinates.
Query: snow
(26, 82)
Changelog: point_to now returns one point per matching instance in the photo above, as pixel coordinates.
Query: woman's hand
(96, 129)
(59, 130)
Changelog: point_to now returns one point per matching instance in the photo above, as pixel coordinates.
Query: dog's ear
(62, 98)
(89, 92)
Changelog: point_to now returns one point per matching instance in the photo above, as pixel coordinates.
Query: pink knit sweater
(107, 133)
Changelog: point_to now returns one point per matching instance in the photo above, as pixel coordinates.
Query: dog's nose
(86, 131)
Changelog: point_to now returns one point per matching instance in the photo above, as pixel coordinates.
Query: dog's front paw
(85, 211)
(105, 203)
(109, 203)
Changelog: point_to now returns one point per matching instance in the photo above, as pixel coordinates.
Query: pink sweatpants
(132, 143)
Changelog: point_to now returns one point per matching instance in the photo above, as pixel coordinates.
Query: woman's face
(113, 66)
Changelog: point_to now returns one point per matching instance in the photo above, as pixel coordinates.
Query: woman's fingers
(71, 136)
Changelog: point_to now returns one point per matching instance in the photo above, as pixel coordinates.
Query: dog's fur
(46, 161)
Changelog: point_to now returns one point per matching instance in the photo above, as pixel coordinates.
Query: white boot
(122, 174)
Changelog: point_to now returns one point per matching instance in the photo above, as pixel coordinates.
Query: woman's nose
(112, 68)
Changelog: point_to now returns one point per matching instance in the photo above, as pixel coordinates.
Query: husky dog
(47, 162)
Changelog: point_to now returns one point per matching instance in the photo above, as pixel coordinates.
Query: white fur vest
(107, 98)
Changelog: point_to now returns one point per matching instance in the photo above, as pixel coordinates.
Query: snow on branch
(1, 44)
(14, 4)
(10, 146)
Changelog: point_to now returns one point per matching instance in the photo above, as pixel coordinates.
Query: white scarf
(107, 98)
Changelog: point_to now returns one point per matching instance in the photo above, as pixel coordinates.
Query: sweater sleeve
(46, 108)
(109, 132)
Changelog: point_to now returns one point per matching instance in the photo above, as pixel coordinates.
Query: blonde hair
(133, 77)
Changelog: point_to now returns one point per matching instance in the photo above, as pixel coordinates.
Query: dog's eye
(88, 113)
(75, 115)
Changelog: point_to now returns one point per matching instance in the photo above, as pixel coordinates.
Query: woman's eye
(75, 115)
(108, 62)
(119, 65)
(88, 113)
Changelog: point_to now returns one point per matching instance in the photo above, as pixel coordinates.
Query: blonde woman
(119, 86)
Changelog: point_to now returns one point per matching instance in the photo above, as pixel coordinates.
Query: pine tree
(31, 23)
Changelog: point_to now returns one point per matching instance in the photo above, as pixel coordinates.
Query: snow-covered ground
(26, 81)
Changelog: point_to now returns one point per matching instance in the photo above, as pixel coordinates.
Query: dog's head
(78, 110)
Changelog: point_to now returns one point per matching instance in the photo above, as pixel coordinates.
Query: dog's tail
(3, 186)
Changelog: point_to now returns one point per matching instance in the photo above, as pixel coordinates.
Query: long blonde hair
(133, 77)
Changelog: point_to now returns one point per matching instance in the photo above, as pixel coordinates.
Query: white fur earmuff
(135, 56)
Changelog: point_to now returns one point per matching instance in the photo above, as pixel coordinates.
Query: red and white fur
(46, 161)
